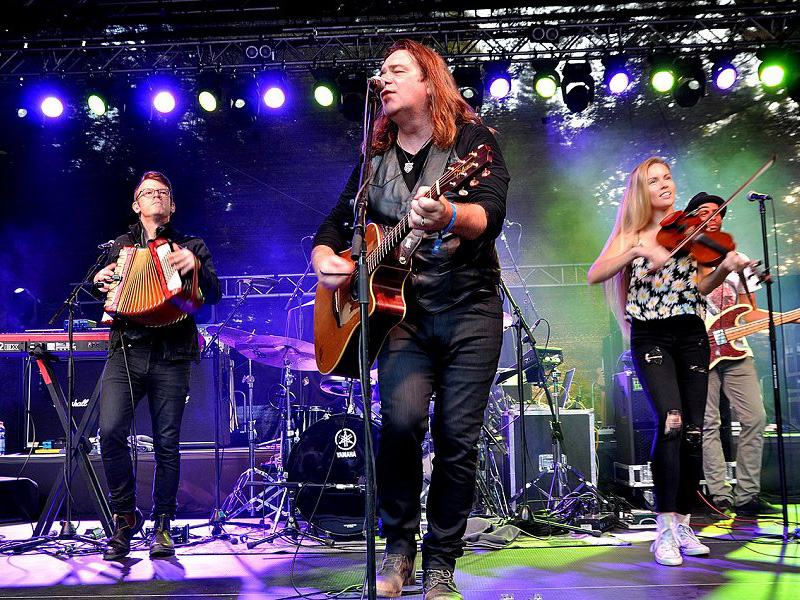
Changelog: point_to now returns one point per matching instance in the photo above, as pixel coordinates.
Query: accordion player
(147, 290)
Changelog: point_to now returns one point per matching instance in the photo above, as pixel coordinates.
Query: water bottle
(2, 439)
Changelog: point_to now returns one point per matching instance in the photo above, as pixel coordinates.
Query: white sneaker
(666, 549)
(689, 543)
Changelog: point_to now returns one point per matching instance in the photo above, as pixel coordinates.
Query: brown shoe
(438, 584)
(396, 571)
(125, 527)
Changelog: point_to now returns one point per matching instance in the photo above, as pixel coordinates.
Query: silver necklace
(409, 164)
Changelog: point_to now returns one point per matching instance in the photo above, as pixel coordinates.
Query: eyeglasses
(150, 192)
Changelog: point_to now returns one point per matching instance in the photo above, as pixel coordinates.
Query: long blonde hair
(635, 212)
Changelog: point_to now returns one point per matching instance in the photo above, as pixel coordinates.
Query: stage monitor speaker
(578, 446)
(197, 429)
(42, 424)
(633, 420)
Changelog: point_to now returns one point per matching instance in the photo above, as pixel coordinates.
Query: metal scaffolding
(193, 38)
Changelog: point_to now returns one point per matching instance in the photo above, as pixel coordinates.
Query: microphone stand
(524, 519)
(359, 254)
(776, 393)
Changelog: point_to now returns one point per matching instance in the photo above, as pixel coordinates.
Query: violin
(686, 232)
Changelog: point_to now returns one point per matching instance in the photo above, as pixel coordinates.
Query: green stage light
(772, 75)
(662, 80)
(546, 81)
(207, 100)
(97, 104)
(323, 94)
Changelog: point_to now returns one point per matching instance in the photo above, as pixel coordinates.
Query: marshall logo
(80, 403)
(345, 440)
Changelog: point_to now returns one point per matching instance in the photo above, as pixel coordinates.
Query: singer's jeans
(453, 353)
(166, 385)
(671, 360)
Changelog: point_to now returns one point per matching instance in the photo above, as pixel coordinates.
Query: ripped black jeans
(671, 360)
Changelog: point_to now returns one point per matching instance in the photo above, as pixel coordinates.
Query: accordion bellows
(148, 290)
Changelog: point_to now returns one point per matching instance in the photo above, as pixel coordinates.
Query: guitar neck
(740, 331)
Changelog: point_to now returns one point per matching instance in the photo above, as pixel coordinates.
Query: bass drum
(331, 451)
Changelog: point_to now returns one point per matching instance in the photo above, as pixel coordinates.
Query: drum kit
(322, 451)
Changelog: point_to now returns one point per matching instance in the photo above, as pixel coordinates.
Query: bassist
(739, 381)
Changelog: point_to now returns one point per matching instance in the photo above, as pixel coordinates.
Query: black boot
(162, 546)
(126, 526)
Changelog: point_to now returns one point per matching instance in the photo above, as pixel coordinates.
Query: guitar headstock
(459, 172)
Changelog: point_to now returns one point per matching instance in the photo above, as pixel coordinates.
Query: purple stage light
(619, 82)
(725, 76)
(500, 86)
(164, 102)
(52, 107)
(274, 97)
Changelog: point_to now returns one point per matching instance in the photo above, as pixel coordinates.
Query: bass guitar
(337, 316)
(729, 326)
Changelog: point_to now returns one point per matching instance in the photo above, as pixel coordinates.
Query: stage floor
(743, 564)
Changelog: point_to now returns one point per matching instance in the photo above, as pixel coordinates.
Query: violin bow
(700, 228)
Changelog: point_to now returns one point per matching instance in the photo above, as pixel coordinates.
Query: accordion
(147, 290)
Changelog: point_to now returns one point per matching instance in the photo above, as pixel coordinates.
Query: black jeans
(166, 385)
(453, 354)
(671, 359)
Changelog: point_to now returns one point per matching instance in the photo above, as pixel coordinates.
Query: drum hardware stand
(77, 444)
(219, 517)
(489, 481)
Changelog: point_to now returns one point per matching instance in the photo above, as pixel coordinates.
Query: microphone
(106, 245)
(755, 196)
(376, 84)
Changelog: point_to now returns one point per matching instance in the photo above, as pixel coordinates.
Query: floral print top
(670, 291)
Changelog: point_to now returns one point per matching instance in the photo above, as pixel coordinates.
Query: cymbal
(229, 335)
(340, 386)
(278, 351)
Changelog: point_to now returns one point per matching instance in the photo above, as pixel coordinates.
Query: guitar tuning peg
(462, 192)
(486, 173)
(473, 182)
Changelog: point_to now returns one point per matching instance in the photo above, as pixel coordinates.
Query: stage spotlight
(577, 86)
(498, 79)
(164, 101)
(690, 84)
(723, 73)
(772, 72)
(546, 80)
(22, 113)
(470, 85)
(274, 97)
(616, 77)
(51, 107)
(662, 73)
(243, 99)
(97, 104)
(207, 100)
(272, 89)
(326, 92)
(353, 89)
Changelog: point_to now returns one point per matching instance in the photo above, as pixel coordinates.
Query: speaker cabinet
(578, 447)
(197, 428)
(635, 427)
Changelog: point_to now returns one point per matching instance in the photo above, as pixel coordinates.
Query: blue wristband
(452, 222)
(444, 231)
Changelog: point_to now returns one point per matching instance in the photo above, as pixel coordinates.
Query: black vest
(461, 268)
